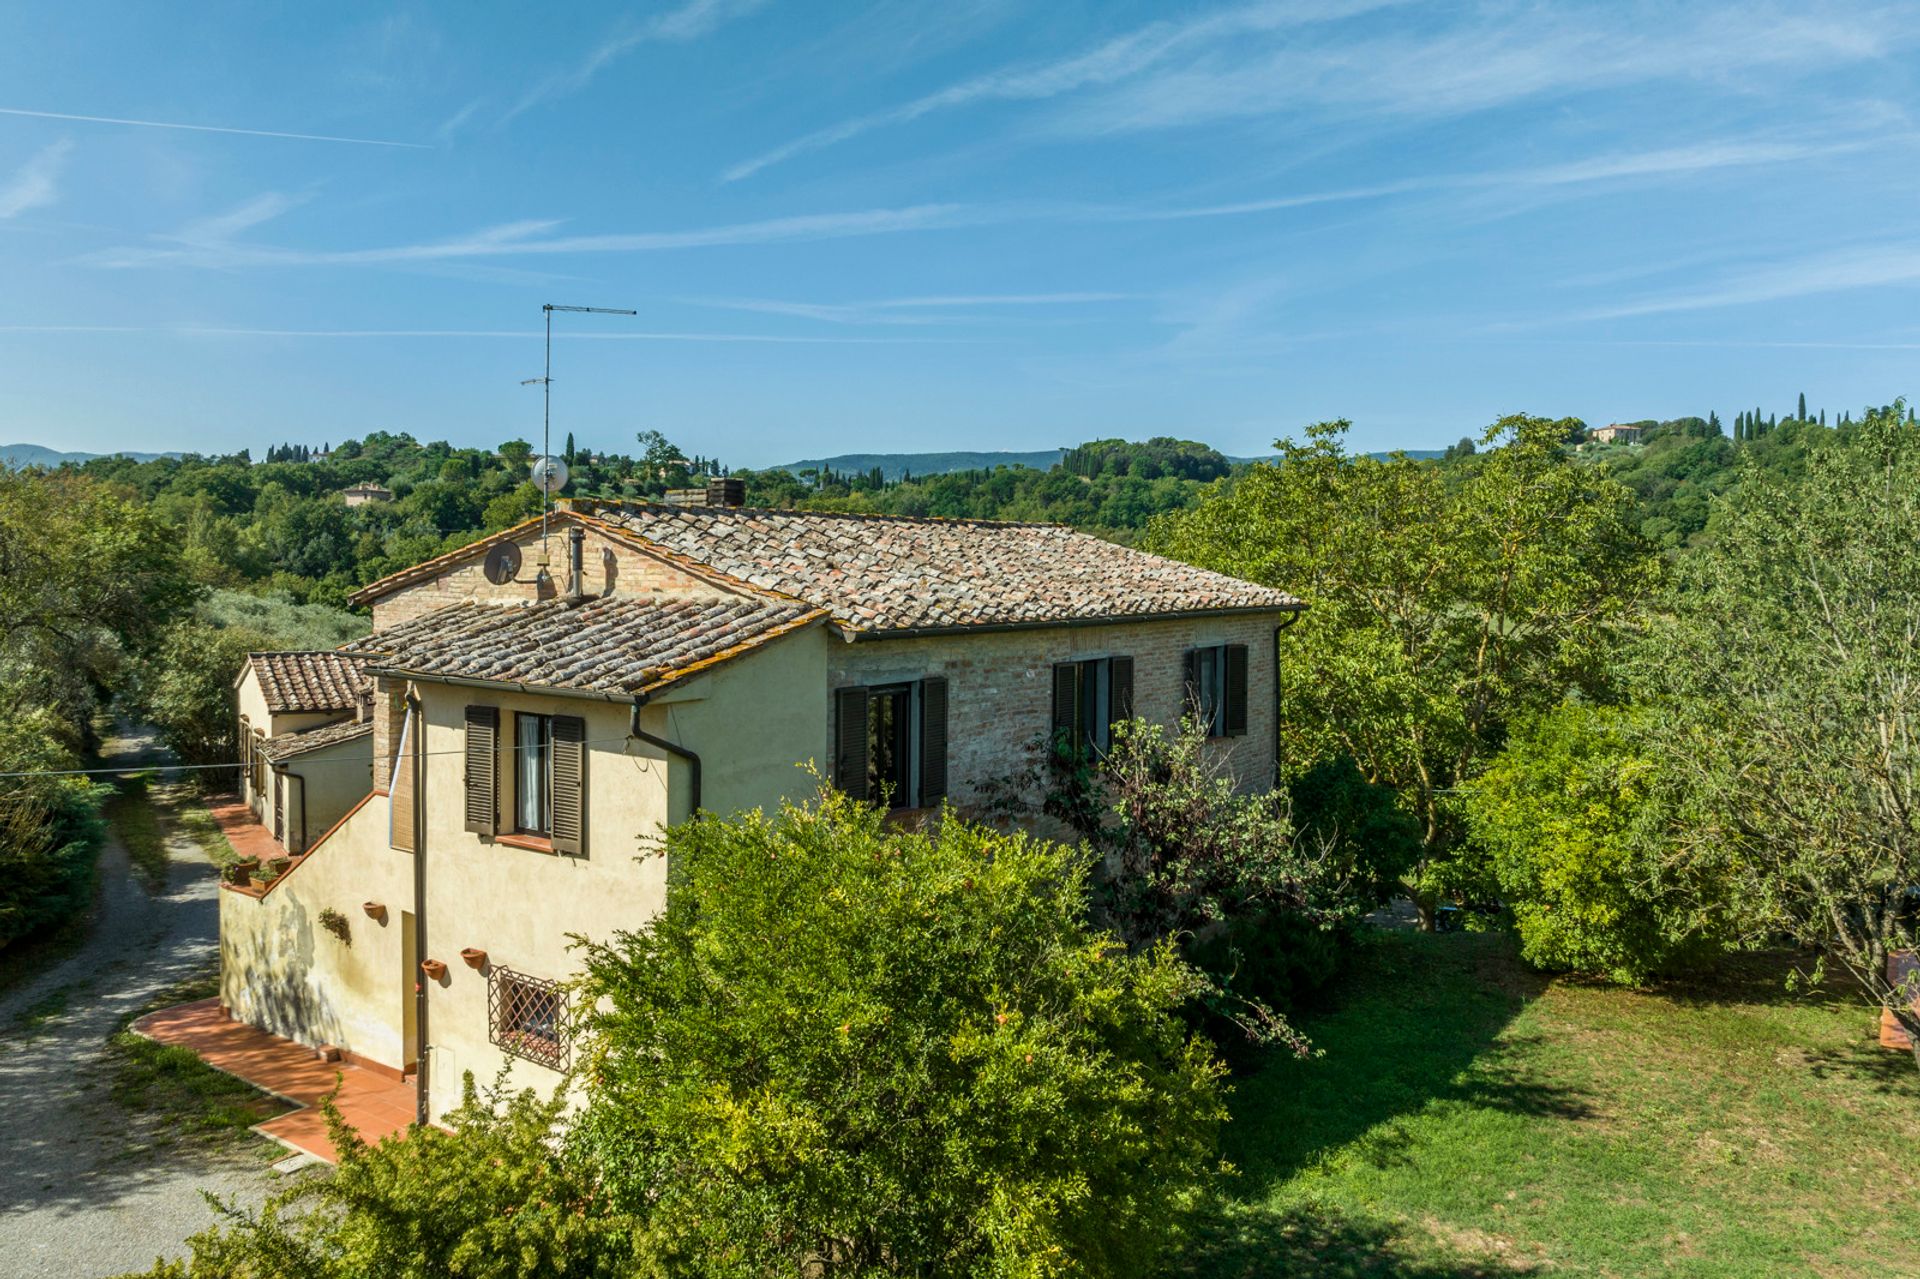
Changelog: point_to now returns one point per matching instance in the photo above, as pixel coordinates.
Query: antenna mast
(546, 411)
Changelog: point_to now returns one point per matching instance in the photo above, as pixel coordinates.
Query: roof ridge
(629, 504)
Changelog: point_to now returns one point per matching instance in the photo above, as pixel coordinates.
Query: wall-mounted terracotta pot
(474, 958)
(433, 968)
(375, 910)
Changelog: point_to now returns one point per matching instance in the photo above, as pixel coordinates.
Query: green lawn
(1471, 1118)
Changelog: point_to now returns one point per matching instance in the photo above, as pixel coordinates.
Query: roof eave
(853, 632)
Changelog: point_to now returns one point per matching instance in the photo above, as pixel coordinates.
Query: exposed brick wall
(633, 573)
(389, 710)
(1000, 686)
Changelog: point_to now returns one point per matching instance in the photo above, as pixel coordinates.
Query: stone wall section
(611, 568)
(1000, 687)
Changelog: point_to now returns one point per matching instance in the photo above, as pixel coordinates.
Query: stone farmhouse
(306, 734)
(545, 699)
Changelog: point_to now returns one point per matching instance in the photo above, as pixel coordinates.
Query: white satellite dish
(549, 474)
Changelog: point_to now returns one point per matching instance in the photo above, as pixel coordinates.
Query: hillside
(895, 465)
(16, 456)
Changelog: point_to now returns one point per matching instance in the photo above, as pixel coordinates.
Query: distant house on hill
(1616, 433)
(361, 494)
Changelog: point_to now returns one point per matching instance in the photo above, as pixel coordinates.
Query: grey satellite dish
(549, 474)
(503, 564)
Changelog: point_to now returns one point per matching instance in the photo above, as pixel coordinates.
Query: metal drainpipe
(693, 760)
(1291, 619)
(419, 765)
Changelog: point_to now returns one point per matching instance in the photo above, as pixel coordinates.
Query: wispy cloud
(35, 183)
(690, 21)
(532, 238)
(1678, 161)
(910, 310)
(211, 128)
(1301, 63)
(222, 227)
(1112, 61)
(1872, 266)
(524, 335)
(1499, 56)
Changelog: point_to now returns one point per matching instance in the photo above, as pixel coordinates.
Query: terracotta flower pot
(375, 910)
(475, 958)
(433, 968)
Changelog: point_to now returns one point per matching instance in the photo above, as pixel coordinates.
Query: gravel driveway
(81, 1192)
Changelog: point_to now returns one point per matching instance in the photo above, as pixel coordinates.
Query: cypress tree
(1823, 417)
(1802, 415)
(568, 455)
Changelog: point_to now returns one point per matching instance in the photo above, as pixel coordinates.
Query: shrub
(1364, 836)
(1568, 816)
(844, 1047)
(492, 1199)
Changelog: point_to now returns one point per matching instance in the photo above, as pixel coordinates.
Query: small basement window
(527, 1017)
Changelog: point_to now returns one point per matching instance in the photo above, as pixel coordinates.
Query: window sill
(532, 843)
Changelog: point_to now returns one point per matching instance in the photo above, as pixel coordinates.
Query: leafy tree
(1442, 605)
(1569, 815)
(494, 1198)
(1787, 666)
(185, 689)
(846, 1048)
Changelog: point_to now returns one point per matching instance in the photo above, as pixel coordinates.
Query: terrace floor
(373, 1104)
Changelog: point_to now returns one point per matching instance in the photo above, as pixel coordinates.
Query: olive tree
(1786, 670)
(1443, 602)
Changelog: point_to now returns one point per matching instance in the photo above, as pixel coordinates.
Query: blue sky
(869, 225)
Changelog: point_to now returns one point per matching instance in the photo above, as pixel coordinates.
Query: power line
(189, 768)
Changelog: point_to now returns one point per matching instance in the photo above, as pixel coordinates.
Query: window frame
(906, 733)
(543, 810)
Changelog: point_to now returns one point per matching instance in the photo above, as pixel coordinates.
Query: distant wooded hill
(896, 466)
(16, 456)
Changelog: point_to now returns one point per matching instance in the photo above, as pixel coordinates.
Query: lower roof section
(614, 646)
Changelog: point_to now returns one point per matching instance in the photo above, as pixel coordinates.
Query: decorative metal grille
(527, 1016)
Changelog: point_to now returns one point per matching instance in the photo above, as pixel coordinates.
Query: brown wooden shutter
(933, 740)
(1190, 703)
(850, 741)
(483, 731)
(400, 786)
(1236, 689)
(1066, 703)
(568, 753)
(1119, 690)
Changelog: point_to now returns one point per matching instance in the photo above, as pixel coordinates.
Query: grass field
(1471, 1118)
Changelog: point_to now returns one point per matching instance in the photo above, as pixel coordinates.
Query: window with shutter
(569, 765)
(850, 741)
(1234, 713)
(482, 777)
(1089, 698)
(933, 741)
(1216, 688)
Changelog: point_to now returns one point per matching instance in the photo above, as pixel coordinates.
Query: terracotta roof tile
(885, 573)
(287, 745)
(617, 645)
(310, 682)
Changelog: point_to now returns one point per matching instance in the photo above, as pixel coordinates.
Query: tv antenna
(545, 382)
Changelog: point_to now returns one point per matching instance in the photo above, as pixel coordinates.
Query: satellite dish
(503, 564)
(549, 474)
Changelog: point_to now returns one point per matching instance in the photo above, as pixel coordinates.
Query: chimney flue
(726, 492)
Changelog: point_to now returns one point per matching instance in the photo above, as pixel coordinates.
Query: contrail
(213, 128)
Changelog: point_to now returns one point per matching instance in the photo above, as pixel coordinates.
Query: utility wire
(187, 768)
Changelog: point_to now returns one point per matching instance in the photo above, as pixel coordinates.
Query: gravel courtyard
(87, 1189)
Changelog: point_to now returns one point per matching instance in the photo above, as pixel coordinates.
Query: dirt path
(84, 1191)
